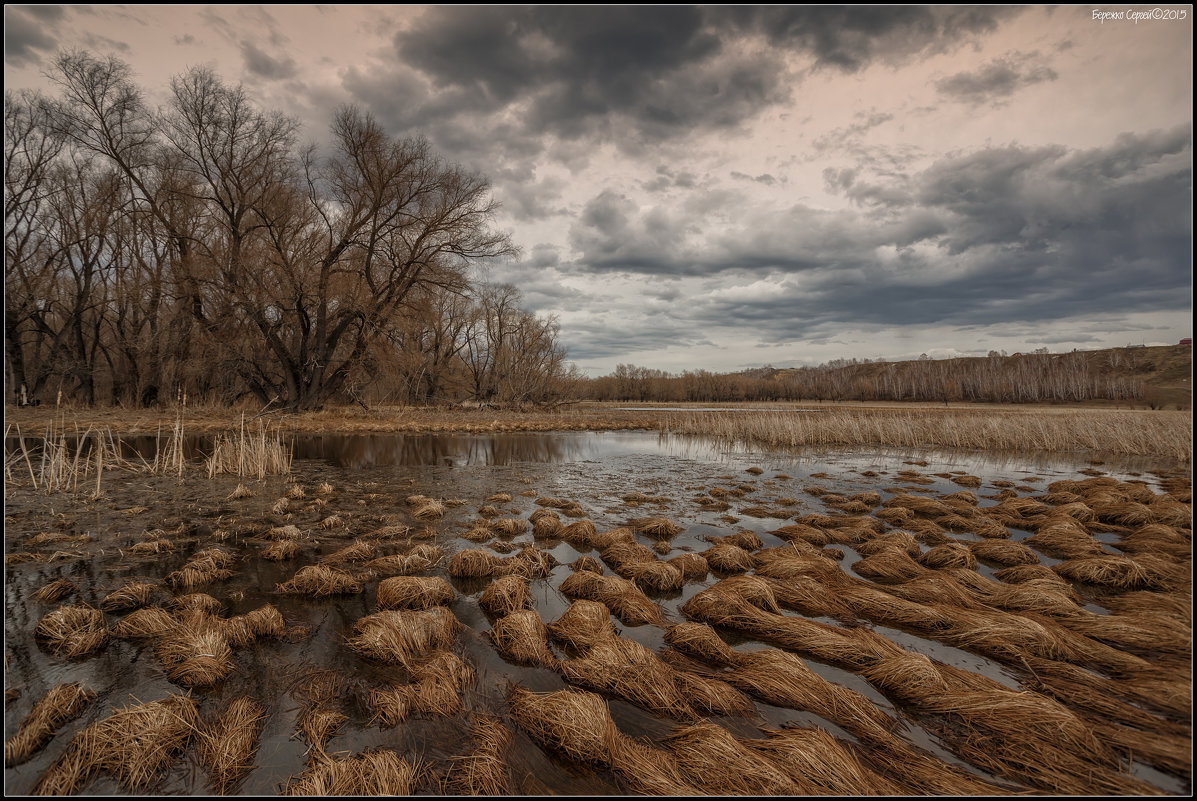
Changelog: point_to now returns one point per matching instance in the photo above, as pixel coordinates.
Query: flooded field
(604, 614)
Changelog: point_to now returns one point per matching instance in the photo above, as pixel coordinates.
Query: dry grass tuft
(55, 591)
(151, 547)
(580, 626)
(508, 526)
(62, 703)
(626, 669)
(717, 762)
(522, 637)
(414, 592)
(656, 576)
(436, 691)
(701, 641)
(133, 745)
(820, 764)
(356, 552)
(130, 596)
(656, 527)
(281, 550)
(692, 565)
(422, 557)
(240, 492)
(287, 532)
(71, 631)
(889, 565)
(727, 558)
(948, 555)
(579, 533)
(593, 565)
(319, 581)
(401, 636)
(1003, 552)
(429, 509)
(545, 524)
(484, 770)
(575, 724)
(622, 597)
(1116, 572)
(379, 772)
(145, 623)
(227, 746)
(195, 652)
(748, 540)
(265, 621)
(505, 595)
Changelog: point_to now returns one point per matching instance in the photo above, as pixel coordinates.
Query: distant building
(1186, 341)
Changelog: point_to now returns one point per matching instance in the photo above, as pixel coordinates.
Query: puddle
(372, 476)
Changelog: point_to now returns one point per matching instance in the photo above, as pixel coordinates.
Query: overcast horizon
(724, 187)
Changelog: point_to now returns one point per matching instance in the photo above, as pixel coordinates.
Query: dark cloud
(264, 65)
(763, 178)
(998, 80)
(28, 33)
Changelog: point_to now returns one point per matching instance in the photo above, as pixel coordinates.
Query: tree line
(1030, 378)
(199, 248)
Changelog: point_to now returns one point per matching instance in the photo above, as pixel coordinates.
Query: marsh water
(371, 477)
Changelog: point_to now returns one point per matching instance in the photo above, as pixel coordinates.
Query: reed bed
(414, 592)
(227, 746)
(380, 772)
(319, 581)
(72, 631)
(522, 637)
(401, 636)
(506, 594)
(133, 745)
(62, 703)
(1161, 434)
(438, 683)
(483, 771)
(621, 596)
(248, 453)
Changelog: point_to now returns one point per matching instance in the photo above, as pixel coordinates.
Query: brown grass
(888, 565)
(508, 526)
(319, 581)
(1003, 552)
(281, 550)
(265, 621)
(380, 772)
(593, 565)
(505, 595)
(1116, 572)
(727, 558)
(820, 764)
(656, 576)
(195, 652)
(145, 623)
(227, 746)
(400, 636)
(133, 745)
(61, 703)
(576, 724)
(419, 559)
(132, 595)
(621, 596)
(358, 551)
(952, 554)
(621, 556)
(414, 592)
(152, 547)
(436, 691)
(714, 760)
(545, 524)
(701, 641)
(55, 591)
(656, 527)
(72, 631)
(626, 669)
(484, 770)
(522, 637)
(581, 625)
(579, 532)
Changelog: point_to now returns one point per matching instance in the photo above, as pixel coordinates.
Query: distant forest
(1117, 374)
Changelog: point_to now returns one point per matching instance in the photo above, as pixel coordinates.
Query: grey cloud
(264, 65)
(997, 80)
(764, 178)
(28, 33)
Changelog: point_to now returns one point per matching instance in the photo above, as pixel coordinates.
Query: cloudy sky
(725, 187)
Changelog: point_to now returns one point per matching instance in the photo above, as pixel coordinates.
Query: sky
(725, 187)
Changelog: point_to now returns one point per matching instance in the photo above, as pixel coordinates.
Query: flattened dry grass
(281, 550)
(146, 623)
(506, 594)
(55, 591)
(714, 760)
(130, 596)
(319, 581)
(227, 746)
(401, 636)
(133, 745)
(196, 652)
(573, 723)
(438, 683)
(379, 772)
(626, 669)
(420, 558)
(72, 631)
(414, 592)
(581, 625)
(701, 641)
(61, 703)
(483, 771)
(656, 527)
(522, 637)
(727, 558)
(621, 596)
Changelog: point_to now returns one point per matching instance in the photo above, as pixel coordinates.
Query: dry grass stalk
(227, 746)
(379, 772)
(133, 745)
(581, 625)
(593, 565)
(626, 669)
(319, 581)
(579, 533)
(61, 703)
(1017, 574)
(429, 509)
(55, 591)
(198, 602)
(281, 550)
(715, 761)
(287, 532)
(130, 596)
(401, 636)
(701, 641)
(71, 631)
(727, 558)
(390, 532)
(748, 540)
(484, 770)
(656, 527)
(508, 526)
(951, 554)
(506, 594)
(709, 696)
(330, 522)
(691, 565)
(820, 764)
(522, 637)
(576, 724)
(414, 592)
(319, 723)
(621, 596)
(1003, 552)
(248, 453)
(889, 565)
(417, 560)
(656, 576)
(145, 623)
(1116, 572)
